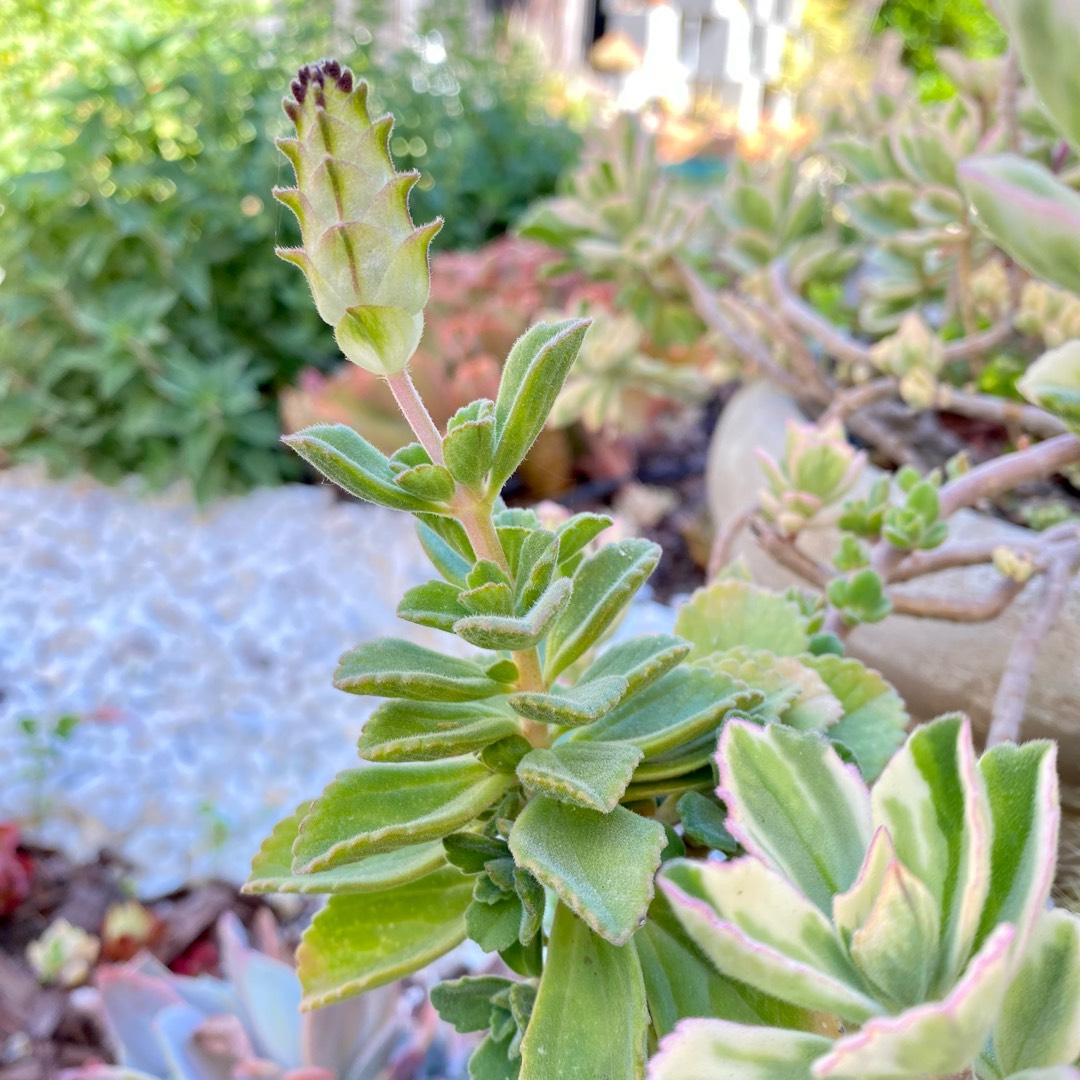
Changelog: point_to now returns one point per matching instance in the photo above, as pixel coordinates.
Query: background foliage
(143, 330)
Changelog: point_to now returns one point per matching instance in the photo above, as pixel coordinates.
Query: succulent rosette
(910, 921)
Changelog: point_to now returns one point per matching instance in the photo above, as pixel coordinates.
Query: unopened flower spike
(366, 263)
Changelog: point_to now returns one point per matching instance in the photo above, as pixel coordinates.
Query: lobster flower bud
(365, 261)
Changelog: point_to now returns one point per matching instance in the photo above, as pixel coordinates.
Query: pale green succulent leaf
(496, 631)
(1029, 213)
(684, 705)
(934, 1039)
(600, 865)
(592, 775)
(932, 800)
(581, 705)
(756, 927)
(1053, 383)
(731, 613)
(392, 667)
(357, 943)
(710, 1049)
(852, 908)
(681, 982)
(383, 807)
(428, 730)
(590, 1018)
(1039, 1024)
(602, 586)
(895, 946)
(532, 378)
(1046, 37)
(1022, 788)
(271, 868)
(796, 805)
(874, 717)
(352, 463)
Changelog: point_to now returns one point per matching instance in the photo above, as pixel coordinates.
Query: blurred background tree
(142, 328)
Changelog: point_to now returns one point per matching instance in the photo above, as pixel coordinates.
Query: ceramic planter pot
(937, 666)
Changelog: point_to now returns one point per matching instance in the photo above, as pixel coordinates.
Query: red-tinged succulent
(15, 869)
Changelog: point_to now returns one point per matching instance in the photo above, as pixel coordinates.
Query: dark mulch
(42, 1029)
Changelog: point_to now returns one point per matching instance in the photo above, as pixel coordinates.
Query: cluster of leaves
(523, 795)
(141, 333)
(908, 925)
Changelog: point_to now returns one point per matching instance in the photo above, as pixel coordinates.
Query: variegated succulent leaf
(912, 919)
(365, 261)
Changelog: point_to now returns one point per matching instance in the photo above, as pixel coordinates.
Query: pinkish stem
(415, 412)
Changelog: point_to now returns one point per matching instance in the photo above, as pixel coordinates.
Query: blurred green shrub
(141, 330)
(927, 25)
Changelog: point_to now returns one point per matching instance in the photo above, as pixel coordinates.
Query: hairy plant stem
(415, 412)
(474, 513)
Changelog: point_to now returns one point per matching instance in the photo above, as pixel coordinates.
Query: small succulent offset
(909, 922)
(248, 1024)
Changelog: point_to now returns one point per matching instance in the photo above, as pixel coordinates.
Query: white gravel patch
(197, 649)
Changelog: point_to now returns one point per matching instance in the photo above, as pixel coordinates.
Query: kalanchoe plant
(910, 921)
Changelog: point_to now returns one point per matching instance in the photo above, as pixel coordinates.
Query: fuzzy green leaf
(640, 661)
(794, 803)
(434, 604)
(932, 799)
(1039, 1024)
(603, 585)
(704, 822)
(444, 556)
(392, 667)
(582, 705)
(470, 442)
(532, 378)
(710, 1049)
(427, 730)
(357, 943)
(271, 868)
(427, 482)
(731, 613)
(494, 926)
(491, 1060)
(590, 1018)
(352, 463)
(687, 703)
(517, 632)
(1028, 212)
(577, 531)
(471, 851)
(382, 807)
(466, 1003)
(600, 865)
(593, 775)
